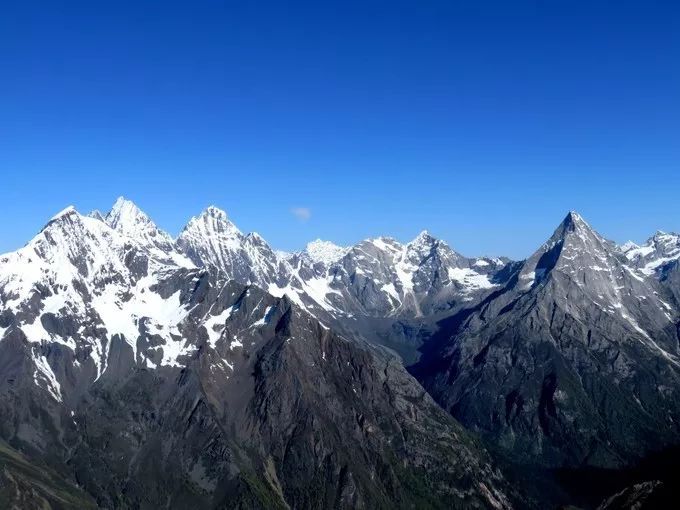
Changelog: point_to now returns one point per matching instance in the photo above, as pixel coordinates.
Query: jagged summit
(211, 221)
(660, 250)
(211, 239)
(97, 215)
(215, 212)
(423, 235)
(628, 246)
(423, 240)
(130, 221)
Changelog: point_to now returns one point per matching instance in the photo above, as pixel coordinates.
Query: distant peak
(129, 220)
(96, 214)
(423, 240)
(125, 212)
(664, 239)
(215, 212)
(661, 235)
(255, 238)
(212, 221)
(424, 236)
(382, 240)
(629, 245)
(216, 216)
(120, 201)
(122, 204)
(320, 242)
(325, 251)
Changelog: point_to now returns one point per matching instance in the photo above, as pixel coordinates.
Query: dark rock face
(670, 281)
(295, 417)
(33, 486)
(574, 361)
(639, 497)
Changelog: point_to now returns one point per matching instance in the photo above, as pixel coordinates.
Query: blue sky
(483, 122)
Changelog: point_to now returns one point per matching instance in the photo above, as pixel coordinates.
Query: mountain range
(138, 370)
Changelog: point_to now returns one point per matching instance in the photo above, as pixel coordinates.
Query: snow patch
(325, 252)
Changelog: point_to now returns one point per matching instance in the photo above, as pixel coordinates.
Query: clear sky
(483, 122)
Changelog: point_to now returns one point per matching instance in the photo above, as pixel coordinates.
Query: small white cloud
(301, 213)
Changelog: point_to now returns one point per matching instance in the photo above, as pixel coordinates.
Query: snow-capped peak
(64, 212)
(215, 212)
(125, 216)
(423, 242)
(424, 235)
(659, 250)
(97, 215)
(212, 221)
(129, 220)
(325, 252)
(665, 238)
(211, 239)
(628, 246)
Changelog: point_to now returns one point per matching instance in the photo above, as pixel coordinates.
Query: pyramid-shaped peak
(96, 214)
(122, 201)
(211, 221)
(129, 220)
(574, 247)
(423, 239)
(628, 246)
(125, 214)
(574, 218)
(573, 223)
(123, 204)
